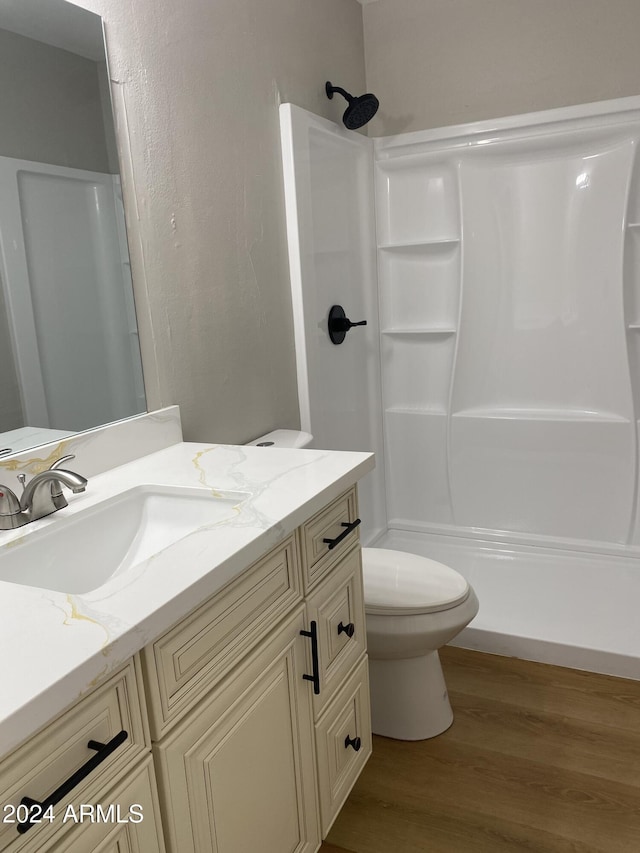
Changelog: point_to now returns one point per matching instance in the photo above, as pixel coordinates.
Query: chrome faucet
(40, 497)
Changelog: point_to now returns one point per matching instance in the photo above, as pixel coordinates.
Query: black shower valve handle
(339, 324)
(345, 325)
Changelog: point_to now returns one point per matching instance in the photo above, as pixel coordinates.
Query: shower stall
(498, 379)
(66, 302)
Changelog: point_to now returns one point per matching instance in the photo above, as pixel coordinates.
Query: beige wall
(198, 88)
(439, 62)
(50, 105)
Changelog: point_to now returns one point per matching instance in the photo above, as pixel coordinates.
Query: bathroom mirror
(69, 352)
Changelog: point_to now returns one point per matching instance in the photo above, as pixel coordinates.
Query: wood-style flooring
(539, 758)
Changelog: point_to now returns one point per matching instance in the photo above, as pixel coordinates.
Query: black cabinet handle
(348, 527)
(313, 633)
(103, 751)
(355, 742)
(348, 629)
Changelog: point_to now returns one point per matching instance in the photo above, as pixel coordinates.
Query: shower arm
(331, 89)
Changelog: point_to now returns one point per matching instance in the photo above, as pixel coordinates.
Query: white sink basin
(82, 552)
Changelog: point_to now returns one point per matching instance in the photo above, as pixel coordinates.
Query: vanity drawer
(183, 664)
(139, 829)
(41, 765)
(337, 608)
(330, 523)
(343, 744)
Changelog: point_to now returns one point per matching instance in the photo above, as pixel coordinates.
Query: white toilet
(414, 606)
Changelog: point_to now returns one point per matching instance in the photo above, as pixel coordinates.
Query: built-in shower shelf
(634, 326)
(406, 410)
(431, 331)
(437, 244)
(403, 162)
(541, 415)
(635, 225)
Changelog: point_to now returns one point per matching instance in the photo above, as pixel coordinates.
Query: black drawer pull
(103, 751)
(313, 633)
(348, 527)
(348, 629)
(355, 742)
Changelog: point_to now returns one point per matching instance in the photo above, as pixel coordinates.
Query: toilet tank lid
(284, 438)
(401, 583)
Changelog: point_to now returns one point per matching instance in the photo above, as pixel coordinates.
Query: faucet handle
(9, 503)
(61, 461)
(11, 515)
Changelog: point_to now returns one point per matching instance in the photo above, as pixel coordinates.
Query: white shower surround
(508, 351)
(65, 275)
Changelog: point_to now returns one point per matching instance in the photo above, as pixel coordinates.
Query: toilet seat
(398, 583)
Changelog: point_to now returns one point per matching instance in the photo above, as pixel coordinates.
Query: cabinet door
(337, 607)
(237, 775)
(343, 738)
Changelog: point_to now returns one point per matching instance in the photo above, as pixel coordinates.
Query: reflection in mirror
(69, 353)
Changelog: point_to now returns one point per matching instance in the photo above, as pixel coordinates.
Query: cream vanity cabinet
(259, 702)
(241, 729)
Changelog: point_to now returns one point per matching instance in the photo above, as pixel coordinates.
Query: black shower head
(360, 110)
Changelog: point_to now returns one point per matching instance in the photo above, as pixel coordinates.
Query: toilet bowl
(413, 607)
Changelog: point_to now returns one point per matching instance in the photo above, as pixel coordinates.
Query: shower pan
(498, 379)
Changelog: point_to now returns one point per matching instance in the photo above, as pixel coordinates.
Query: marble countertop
(57, 646)
(20, 439)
